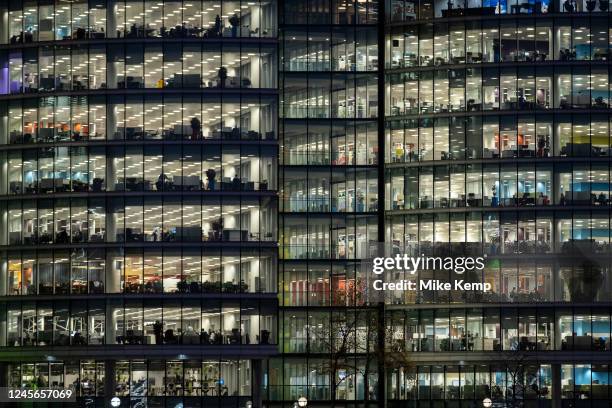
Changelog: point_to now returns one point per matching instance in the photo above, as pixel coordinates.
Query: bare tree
(521, 379)
(515, 372)
(338, 340)
(359, 344)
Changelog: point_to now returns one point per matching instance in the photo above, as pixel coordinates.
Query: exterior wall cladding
(187, 191)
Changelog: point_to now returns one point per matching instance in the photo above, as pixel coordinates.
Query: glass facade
(189, 189)
(45, 20)
(472, 383)
(139, 322)
(142, 382)
(137, 270)
(329, 205)
(138, 208)
(497, 144)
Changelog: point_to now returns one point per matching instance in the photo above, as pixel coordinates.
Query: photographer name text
(432, 284)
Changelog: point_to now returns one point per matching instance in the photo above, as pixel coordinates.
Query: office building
(139, 206)
(498, 144)
(329, 198)
(188, 191)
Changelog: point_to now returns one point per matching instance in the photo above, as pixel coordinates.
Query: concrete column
(113, 278)
(4, 110)
(109, 380)
(111, 173)
(4, 24)
(382, 381)
(256, 13)
(3, 333)
(3, 276)
(256, 80)
(111, 83)
(111, 18)
(109, 332)
(254, 170)
(257, 373)
(255, 115)
(557, 329)
(557, 41)
(556, 386)
(111, 32)
(4, 225)
(3, 375)
(558, 285)
(111, 215)
(111, 227)
(4, 172)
